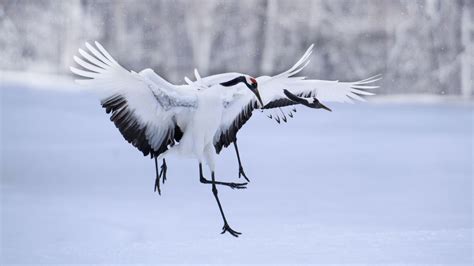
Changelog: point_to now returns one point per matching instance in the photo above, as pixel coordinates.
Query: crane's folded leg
(161, 174)
(241, 169)
(232, 185)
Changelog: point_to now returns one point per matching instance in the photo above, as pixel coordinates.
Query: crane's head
(249, 81)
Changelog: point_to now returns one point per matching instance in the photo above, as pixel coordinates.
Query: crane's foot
(242, 173)
(226, 228)
(235, 185)
(164, 169)
(232, 185)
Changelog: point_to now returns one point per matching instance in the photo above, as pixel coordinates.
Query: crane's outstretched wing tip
(89, 46)
(370, 79)
(74, 70)
(188, 81)
(197, 75)
(359, 88)
(84, 73)
(361, 92)
(96, 44)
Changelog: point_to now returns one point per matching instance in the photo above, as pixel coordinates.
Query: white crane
(200, 118)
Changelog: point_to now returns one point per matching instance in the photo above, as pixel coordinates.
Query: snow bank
(40, 81)
(366, 184)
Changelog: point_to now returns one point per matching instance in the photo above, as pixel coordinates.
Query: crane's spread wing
(143, 106)
(273, 95)
(272, 90)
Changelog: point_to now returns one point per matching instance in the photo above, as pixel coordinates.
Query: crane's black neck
(235, 81)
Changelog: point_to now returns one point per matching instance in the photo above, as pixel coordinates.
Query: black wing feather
(128, 125)
(230, 135)
(282, 102)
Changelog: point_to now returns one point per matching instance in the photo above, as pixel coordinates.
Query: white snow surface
(367, 184)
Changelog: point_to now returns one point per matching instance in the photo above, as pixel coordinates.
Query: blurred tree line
(420, 46)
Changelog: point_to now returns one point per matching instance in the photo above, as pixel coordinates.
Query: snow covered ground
(367, 183)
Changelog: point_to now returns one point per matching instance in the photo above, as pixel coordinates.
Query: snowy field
(367, 183)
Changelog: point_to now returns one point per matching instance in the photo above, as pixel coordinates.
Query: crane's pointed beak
(257, 93)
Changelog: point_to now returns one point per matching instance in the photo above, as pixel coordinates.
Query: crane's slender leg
(157, 180)
(232, 185)
(241, 169)
(162, 173)
(210, 160)
(226, 227)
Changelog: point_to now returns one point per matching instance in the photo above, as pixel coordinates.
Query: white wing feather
(323, 90)
(271, 88)
(143, 105)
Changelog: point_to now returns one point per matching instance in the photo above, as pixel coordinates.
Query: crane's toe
(242, 173)
(226, 228)
(238, 185)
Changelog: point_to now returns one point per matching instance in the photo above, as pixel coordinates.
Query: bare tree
(467, 69)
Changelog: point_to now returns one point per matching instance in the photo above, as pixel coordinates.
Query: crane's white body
(199, 127)
(200, 124)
